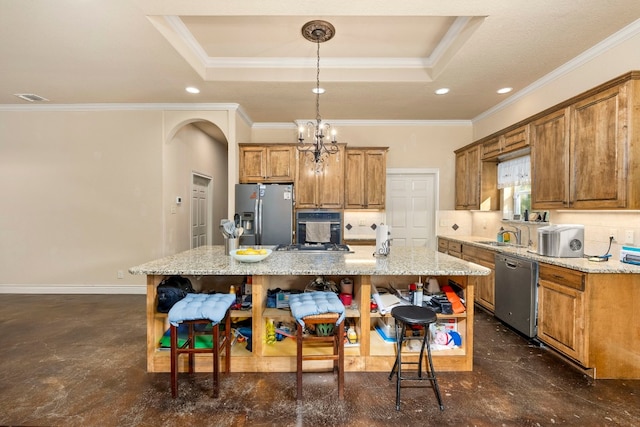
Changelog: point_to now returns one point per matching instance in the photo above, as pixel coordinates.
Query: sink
(493, 243)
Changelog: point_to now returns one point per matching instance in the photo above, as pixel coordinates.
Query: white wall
(81, 195)
(84, 196)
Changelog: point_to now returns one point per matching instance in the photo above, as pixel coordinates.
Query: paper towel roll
(383, 236)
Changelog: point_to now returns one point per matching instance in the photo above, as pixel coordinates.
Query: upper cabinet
(550, 161)
(267, 163)
(366, 178)
(509, 142)
(468, 178)
(476, 181)
(584, 154)
(324, 189)
(598, 150)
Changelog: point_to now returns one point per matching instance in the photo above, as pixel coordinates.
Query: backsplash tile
(362, 224)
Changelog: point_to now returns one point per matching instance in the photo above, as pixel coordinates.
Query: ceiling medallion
(318, 31)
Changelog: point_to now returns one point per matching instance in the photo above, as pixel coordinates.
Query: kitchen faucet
(516, 232)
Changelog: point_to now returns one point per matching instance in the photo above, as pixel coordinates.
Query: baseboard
(73, 289)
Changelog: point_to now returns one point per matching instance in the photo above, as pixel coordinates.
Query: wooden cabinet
(450, 247)
(476, 181)
(507, 143)
(468, 178)
(484, 285)
(267, 163)
(583, 154)
(550, 161)
(323, 189)
(366, 176)
(561, 311)
(598, 150)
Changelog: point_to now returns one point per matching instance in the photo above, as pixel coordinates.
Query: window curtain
(514, 172)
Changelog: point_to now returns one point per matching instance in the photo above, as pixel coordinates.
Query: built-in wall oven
(318, 226)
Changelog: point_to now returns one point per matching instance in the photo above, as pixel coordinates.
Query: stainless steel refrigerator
(265, 211)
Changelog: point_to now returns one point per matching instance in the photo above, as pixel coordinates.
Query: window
(514, 181)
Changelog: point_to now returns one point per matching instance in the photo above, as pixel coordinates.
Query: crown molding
(621, 36)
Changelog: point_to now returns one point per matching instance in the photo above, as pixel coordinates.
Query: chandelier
(317, 151)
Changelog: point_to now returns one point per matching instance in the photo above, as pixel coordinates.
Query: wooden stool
(337, 338)
(183, 312)
(413, 315)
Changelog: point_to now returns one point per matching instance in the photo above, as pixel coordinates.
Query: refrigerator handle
(258, 216)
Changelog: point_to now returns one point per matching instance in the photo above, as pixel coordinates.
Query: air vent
(31, 97)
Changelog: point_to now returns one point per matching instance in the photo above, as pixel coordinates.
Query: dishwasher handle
(510, 264)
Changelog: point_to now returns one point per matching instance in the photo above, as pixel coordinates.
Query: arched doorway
(195, 175)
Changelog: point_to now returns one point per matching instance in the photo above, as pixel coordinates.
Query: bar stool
(319, 308)
(196, 309)
(413, 315)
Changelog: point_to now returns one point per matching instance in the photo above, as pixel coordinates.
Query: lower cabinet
(561, 311)
(484, 285)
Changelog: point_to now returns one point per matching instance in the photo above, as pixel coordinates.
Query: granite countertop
(612, 266)
(211, 260)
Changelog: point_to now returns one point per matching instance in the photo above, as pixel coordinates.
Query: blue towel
(311, 303)
(201, 306)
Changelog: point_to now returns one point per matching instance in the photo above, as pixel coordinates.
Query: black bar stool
(413, 315)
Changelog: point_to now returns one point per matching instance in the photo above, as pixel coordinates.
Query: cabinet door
(468, 179)
(331, 182)
(561, 311)
(515, 139)
(376, 179)
(485, 285)
(491, 148)
(252, 164)
(355, 179)
(598, 150)
(550, 161)
(305, 184)
(280, 163)
(461, 180)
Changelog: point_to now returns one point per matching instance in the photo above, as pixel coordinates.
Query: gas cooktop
(313, 247)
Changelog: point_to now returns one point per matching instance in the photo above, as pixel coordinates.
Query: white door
(200, 211)
(411, 205)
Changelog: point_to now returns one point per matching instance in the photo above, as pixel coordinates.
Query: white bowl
(249, 258)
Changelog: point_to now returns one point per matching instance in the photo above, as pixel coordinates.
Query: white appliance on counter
(561, 241)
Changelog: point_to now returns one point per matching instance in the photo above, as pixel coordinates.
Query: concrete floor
(79, 360)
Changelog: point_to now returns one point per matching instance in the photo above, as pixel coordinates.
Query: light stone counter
(211, 260)
(612, 266)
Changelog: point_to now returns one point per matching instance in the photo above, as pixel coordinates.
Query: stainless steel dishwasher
(516, 297)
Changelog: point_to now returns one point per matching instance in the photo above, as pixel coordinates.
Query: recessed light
(442, 91)
(505, 90)
(317, 90)
(192, 89)
(31, 97)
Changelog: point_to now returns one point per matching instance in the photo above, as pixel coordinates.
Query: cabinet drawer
(562, 276)
(478, 253)
(455, 246)
(443, 245)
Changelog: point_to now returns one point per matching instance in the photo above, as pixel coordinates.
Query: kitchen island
(209, 269)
